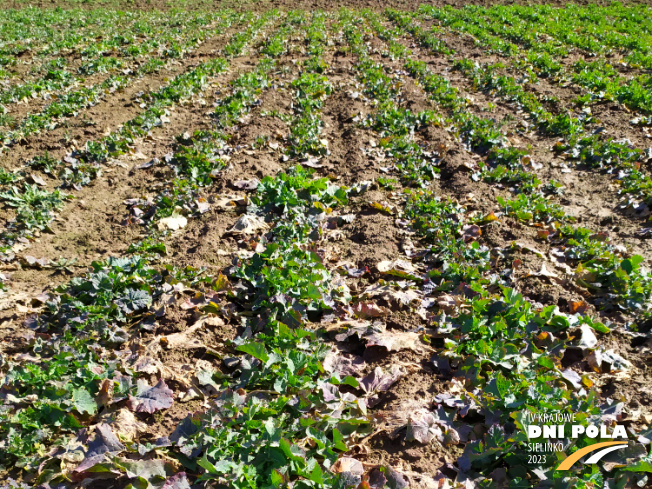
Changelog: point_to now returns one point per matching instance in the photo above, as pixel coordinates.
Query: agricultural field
(341, 246)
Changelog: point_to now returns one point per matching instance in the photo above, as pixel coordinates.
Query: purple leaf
(379, 380)
(422, 427)
(177, 481)
(104, 442)
(246, 184)
(377, 479)
(395, 480)
(342, 364)
(151, 399)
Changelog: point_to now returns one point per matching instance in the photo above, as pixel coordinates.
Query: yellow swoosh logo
(571, 459)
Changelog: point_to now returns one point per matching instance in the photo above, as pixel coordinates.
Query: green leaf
(632, 263)
(276, 478)
(352, 381)
(546, 361)
(291, 451)
(316, 475)
(338, 440)
(599, 327)
(83, 401)
(256, 350)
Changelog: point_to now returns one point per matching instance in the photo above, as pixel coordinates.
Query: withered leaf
(31, 261)
(147, 365)
(587, 338)
(615, 361)
(395, 341)
(471, 232)
(174, 222)
(347, 465)
(248, 224)
(125, 424)
(367, 310)
(150, 470)
(447, 302)
(384, 207)
(399, 268)
(402, 297)
(572, 378)
(578, 307)
(246, 184)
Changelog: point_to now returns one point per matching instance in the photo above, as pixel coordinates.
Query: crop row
(597, 31)
(70, 103)
(619, 157)
(36, 208)
(395, 125)
(59, 34)
(299, 419)
(119, 52)
(541, 58)
(77, 317)
(200, 158)
(485, 343)
(601, 268)
(278, 396)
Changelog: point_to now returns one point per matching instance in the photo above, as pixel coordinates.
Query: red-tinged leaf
(578, 306)
(471, 232)
(367, 310)
(151, 399)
